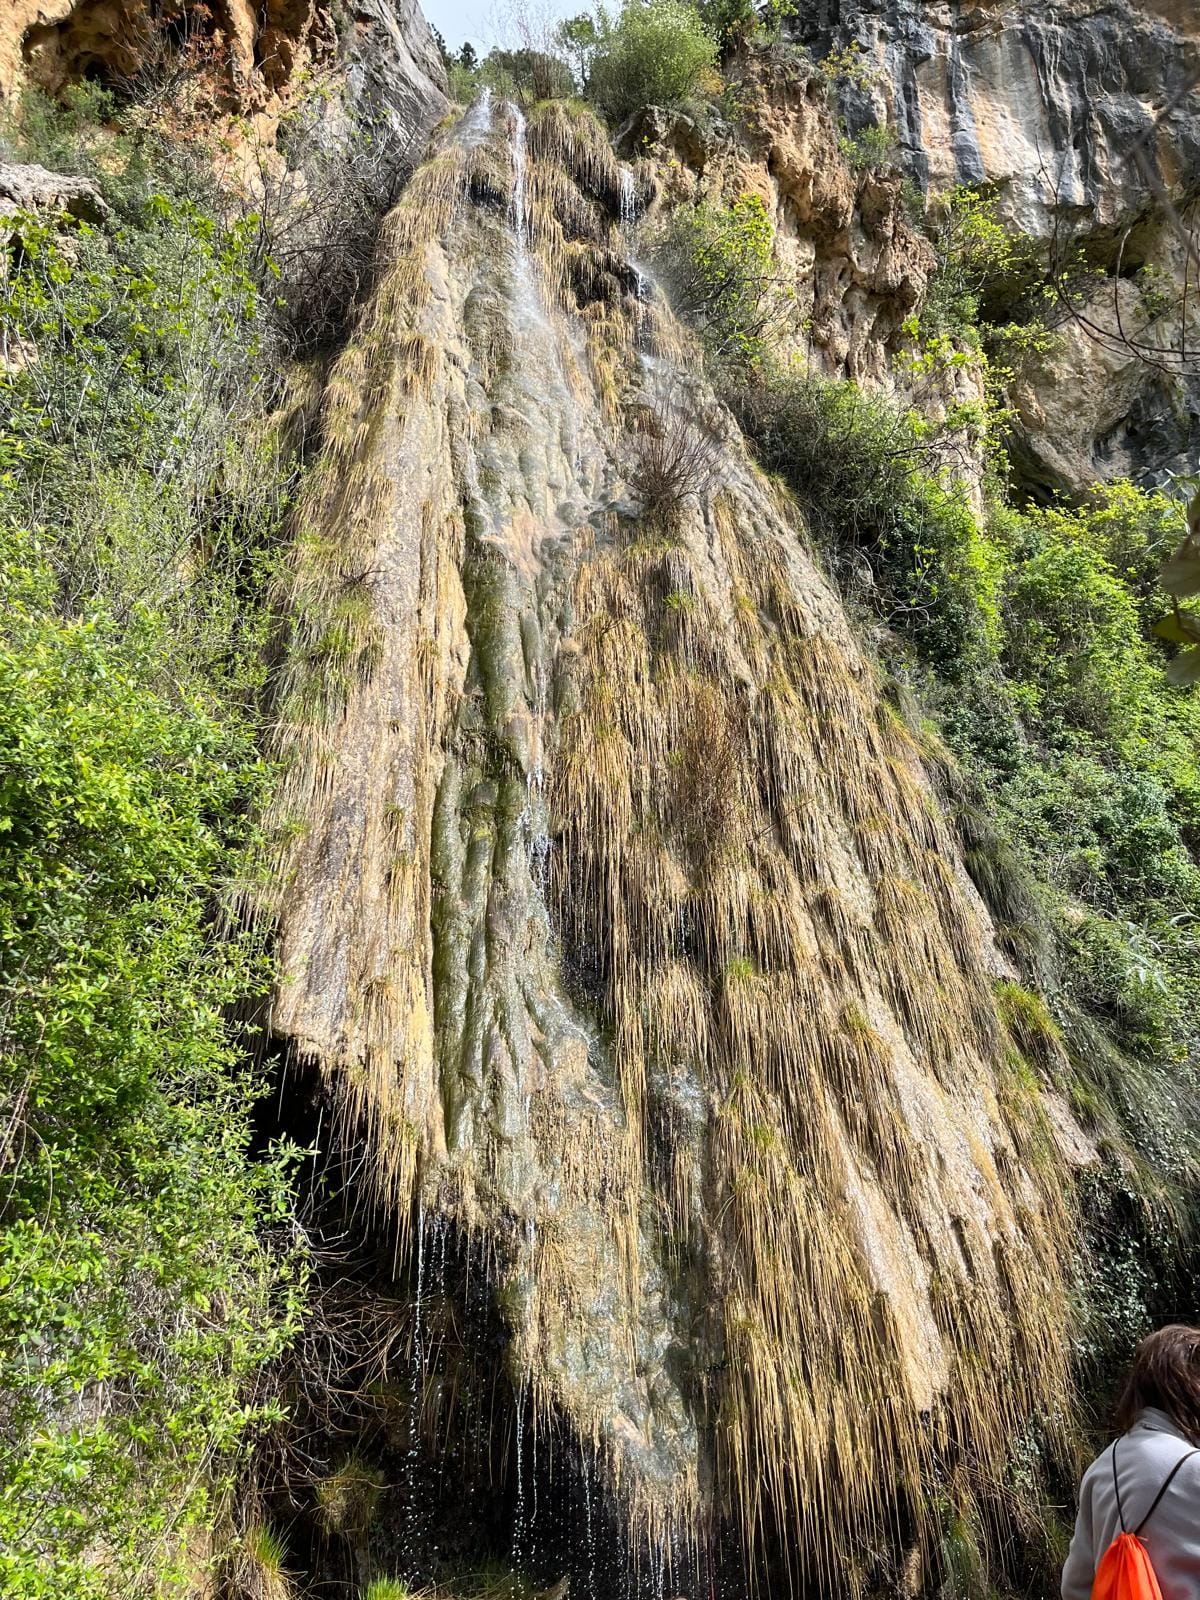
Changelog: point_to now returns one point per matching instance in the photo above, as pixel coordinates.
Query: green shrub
(716, 261)
(656, 52)
(894, 534)
(871, 149)
(731, 21)
(978, 258)
(146, 1273)
(136, 1295)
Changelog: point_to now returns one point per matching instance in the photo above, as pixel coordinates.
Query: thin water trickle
(628, 215)
(416, 1395)
(517, 210)
(590, 1532)
(518, 1538)
(477, 120)
(628, 201)
(535, 798)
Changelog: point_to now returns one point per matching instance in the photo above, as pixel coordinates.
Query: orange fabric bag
(1126, 1571)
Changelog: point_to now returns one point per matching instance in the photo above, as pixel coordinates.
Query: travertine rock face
(617, 910)
(1086, 118)
(854, 266)
(246, 59)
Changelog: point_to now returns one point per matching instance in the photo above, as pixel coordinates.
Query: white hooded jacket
(1145, 1457)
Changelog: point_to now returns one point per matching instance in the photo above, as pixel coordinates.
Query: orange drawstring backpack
(1125, 1571)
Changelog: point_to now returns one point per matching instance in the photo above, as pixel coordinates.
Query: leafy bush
(734, 20)
(871, 149)
(142, 491)
(978, 256)
(716, 261)
(895, 535)
(656, 52)
(137, 1298)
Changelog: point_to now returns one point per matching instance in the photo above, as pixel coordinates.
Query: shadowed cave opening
(411, 1450)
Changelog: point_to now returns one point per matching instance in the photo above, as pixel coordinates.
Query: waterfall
(628, 214)
(621, 918)
(517, 206)
(476, 121)
(628, 201)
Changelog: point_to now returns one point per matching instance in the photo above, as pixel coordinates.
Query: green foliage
(1096, 783)
(871, 149)
(532, 74)
(145, 1273)
(732, 21)
(977, 256)
(462, 82)
(267, 1549)
(849, 65)
(716, 261)
(655, 52)
(133, 343)
(577, 37)
(63, 135)
(136, 1297)
(892, 530)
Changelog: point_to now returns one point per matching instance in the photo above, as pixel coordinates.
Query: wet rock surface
(618, 915)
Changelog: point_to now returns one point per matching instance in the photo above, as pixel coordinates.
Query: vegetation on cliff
(148, 1269)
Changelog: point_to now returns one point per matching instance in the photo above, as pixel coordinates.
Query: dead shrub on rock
(673, 463)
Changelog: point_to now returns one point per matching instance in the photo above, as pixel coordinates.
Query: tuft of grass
(348, 1499)
(386, 1589)
(259, 1568)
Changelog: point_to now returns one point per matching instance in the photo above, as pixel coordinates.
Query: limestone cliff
(244, 61)
(1085, 118)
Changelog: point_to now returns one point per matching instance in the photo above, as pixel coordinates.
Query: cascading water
(476, 123)
(624, 921)
(518, 204)
(628, 217)
(628, 212)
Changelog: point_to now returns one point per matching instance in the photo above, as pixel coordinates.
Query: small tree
(716, 261)
(578, 37)
(657, 52)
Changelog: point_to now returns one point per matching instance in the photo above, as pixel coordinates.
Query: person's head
(1165, 1374)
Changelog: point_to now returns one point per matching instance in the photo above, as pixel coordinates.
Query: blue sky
(489, 22)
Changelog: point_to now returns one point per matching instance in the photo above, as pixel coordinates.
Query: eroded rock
(33, 188)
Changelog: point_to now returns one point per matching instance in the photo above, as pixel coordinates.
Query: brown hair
(1165, 1374)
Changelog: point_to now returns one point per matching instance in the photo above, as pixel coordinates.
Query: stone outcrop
(33, 188)
(241, 59)
(1085, 119)
(854, 265)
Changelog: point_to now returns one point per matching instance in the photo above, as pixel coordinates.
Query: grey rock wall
(1085, 119)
